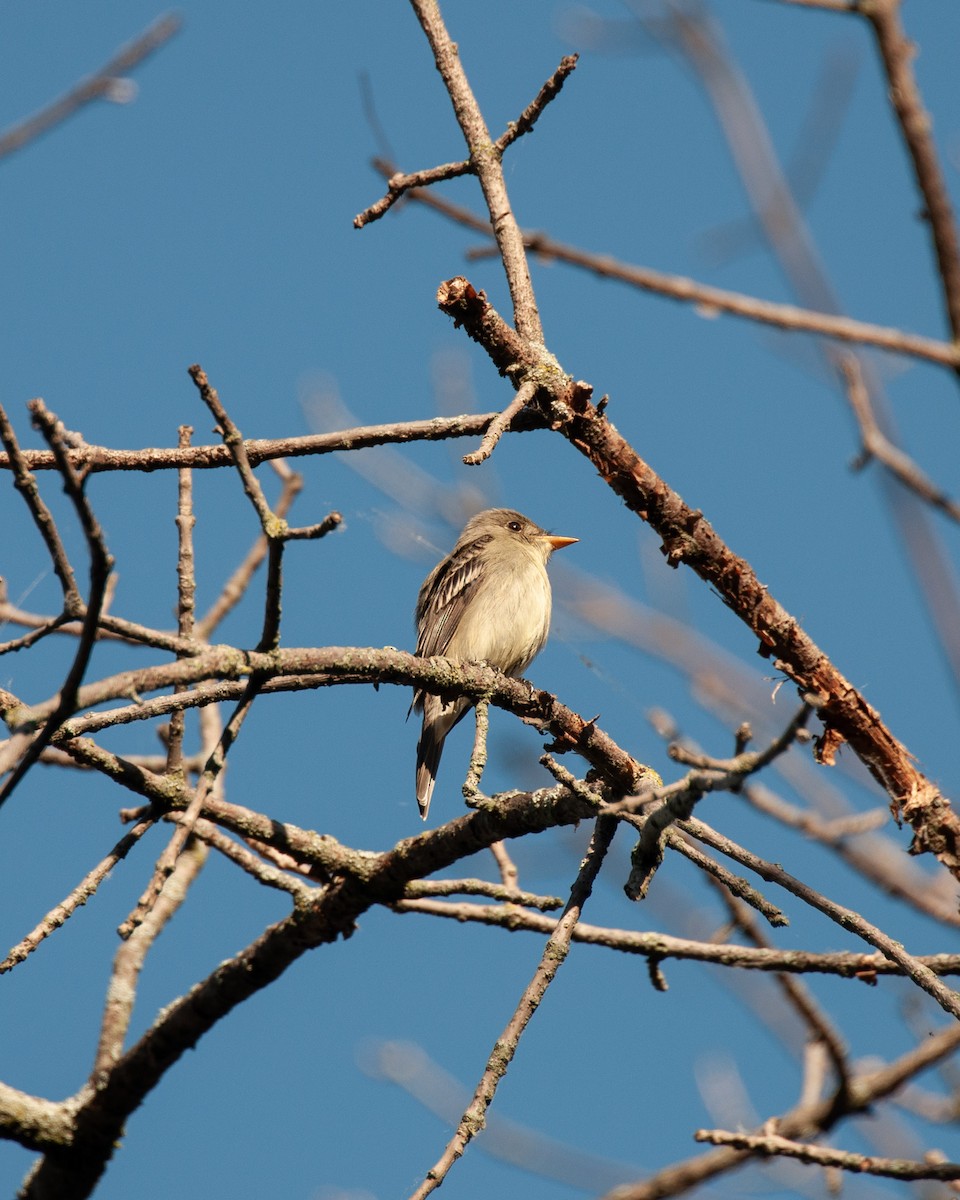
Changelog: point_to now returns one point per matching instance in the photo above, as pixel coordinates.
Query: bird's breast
(507, 620)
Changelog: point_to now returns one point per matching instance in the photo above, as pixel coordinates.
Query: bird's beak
(558, 543)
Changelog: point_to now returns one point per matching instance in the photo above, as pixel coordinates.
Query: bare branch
(523, 397)
(772, 1144)
(534, 110)
(688, 537)
(487, 165)
(897, 54)
(101, 564)
(79, 896)
(662, 946)
(94, 459)
(399, 184)
(26, 485)
(553, 957)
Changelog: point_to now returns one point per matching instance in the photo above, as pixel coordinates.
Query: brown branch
(553, 957)
(128, 963)
(662, 946)
(846, 918)
(167, 862)
(399, 184)
(897, 54)
(488, 167)
(525, 394)
(186, 590)
(94, 459)
(236, 586)
(101, 564)
(676, 801)
(331, 665)
(233, 440)
(275, 528)
(507, 891)
(247, 861)
(773, 1145)
(689, 538)
(734, 884)
(803, 1121)
(26, 485)
(79, 896)
(534, 110)
(102, 85)
(34, 1122)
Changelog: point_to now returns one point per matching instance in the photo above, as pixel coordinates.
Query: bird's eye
(515, 526)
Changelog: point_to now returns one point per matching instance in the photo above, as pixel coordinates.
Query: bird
(487, 601)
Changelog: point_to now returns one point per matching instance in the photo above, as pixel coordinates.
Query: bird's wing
(445, 595)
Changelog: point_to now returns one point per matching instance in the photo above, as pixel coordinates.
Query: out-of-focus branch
(877, 445)
(804, 1121)
(106, 84)
(706, 298)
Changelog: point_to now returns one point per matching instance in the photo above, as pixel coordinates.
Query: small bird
(487, 601)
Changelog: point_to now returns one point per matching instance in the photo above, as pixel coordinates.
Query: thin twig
(736, 885)
(233, 440)
(101, 563)
(488, 166)
(534, 110)
(897, 53)
(662, 946)
(497, 428)
(677, 800)
(186, 589)
(167, 861)
(79, 896)
(399, 184)
(846, 918)
(478, 755)
(235, 587)
(554, 954)
(772, 1144)
(26, 485)
(128, 962)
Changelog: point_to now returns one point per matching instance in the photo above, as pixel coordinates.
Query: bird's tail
(438, 720)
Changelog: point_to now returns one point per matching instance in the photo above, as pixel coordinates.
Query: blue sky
(210, 220)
